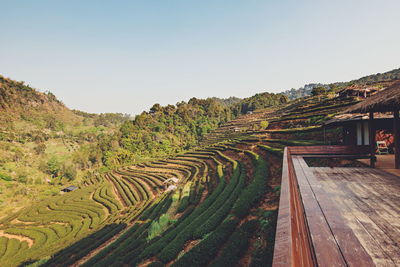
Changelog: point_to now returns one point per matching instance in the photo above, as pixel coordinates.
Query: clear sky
(124, 56)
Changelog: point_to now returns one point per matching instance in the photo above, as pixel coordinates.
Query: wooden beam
(372, 138)
(396, 134)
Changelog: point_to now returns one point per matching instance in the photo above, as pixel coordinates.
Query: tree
(155, 108)
(264, 124)
(320, 90)
(53, 167)
(69, 171)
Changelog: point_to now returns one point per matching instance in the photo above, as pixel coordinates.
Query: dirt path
(18, 237)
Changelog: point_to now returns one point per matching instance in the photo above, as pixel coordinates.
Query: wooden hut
(69, 188)
(355, 127)
(387, 100)
(358, 91)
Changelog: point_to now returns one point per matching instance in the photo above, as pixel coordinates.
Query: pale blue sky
(124, 56)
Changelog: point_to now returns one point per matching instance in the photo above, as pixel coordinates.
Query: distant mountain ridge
(366, 80)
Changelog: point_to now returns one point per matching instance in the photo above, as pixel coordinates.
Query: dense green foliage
(171, 129)
(259, 101)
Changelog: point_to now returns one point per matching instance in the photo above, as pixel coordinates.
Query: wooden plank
(348, 223)
(326, 249)
(377, 244)
(283, 239)
(329, 150)
(303, 253)
(351, 248)
(336, 156)
(292, 242)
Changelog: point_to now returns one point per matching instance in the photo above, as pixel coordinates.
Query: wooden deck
(384, 162)
(336, 216)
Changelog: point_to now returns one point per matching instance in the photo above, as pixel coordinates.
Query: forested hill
(175, 128)
(44, 145)
(18, 101)
(366, 80)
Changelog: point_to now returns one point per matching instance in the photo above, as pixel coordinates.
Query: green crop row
(101, 196)
(253, 192)
(236, 246)
(139, 190)
(183, 224)
(273, 150)
(123, 190)
(206, 250)
(80, 249)
(209, 219)
(120, 251)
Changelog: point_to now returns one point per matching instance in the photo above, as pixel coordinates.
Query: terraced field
(215, 205)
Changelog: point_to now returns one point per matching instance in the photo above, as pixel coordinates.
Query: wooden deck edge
(283, 241)
(293, 241)
(293, 246)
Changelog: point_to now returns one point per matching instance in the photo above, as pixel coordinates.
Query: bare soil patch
(18, 237)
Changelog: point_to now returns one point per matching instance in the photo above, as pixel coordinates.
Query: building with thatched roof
(358, 91)
(355, 127)
(387, 100)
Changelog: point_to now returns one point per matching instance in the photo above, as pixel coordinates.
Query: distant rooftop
(69, 188)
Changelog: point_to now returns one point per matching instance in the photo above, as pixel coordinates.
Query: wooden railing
(294, 244)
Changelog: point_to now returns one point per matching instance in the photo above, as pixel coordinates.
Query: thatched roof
(384, 101)
(342, 118)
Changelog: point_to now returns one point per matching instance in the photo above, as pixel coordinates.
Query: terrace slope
(214, 204)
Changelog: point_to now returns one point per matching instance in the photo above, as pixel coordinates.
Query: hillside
(366, 80)
(44, 145)
(226, 197)
(195, 184)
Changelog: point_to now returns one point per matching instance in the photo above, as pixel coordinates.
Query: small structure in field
(236, 129)
(69, 189)
(356, 90)
(172, 180)
(171, 188)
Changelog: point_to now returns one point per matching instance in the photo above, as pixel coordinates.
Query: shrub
(264, 124)
(158, 227)
(5, 177)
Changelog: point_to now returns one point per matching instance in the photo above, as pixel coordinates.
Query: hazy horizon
(124, 57)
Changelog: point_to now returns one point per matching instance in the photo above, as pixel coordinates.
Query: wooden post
(363, 141)
(396, 134)
(372, 138)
